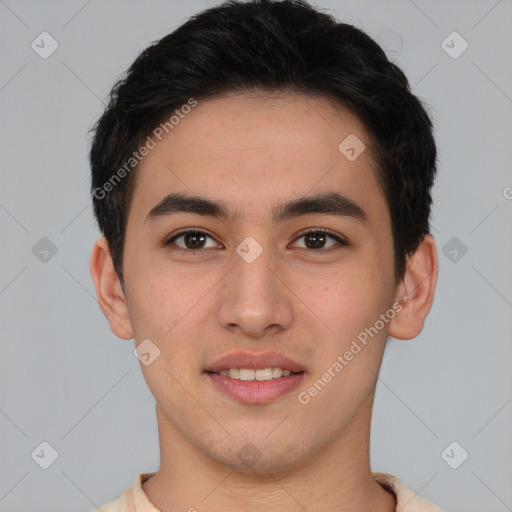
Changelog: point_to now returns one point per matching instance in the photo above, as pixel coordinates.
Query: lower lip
(255, 391)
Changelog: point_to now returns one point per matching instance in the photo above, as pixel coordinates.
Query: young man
(262, 178)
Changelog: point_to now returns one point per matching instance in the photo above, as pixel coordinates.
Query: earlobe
(416, 291)
(110, 295)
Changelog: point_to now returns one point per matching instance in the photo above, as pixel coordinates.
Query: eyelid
(337, 237)
(170, 239)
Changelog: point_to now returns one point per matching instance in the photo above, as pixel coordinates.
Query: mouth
(260, 374)
(256, 379)
(261, 362)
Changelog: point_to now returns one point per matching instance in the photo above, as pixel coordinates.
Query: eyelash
(173, 238)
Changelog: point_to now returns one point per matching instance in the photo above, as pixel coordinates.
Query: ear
(416, 291)
(110, 295)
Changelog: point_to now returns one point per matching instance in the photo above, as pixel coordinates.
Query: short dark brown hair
(272, 46)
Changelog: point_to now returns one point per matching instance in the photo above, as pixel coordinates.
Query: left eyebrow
(331, 203)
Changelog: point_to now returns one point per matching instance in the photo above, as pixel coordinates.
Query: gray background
(67, 380)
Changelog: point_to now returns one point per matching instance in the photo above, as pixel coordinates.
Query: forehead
(254, 151)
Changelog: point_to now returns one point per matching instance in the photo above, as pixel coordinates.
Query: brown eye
(193, 239)
(316, 240)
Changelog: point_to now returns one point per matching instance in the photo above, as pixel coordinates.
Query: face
(259, 282)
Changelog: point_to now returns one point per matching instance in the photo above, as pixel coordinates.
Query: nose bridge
(254, 297)
(252, 279)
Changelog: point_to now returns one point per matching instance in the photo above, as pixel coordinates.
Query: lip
(255, 392)
(254, 361)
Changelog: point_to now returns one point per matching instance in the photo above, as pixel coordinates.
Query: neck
(335, 478)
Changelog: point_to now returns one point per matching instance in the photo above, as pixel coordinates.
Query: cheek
(155, 299)
(165, 311)
(351, 297)
(350, 305)
(170, 306)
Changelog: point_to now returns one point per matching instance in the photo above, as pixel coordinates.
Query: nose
(255, 298)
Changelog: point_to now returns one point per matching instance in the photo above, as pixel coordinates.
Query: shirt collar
(407, 500)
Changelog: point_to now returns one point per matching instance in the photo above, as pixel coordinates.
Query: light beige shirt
(135, 500)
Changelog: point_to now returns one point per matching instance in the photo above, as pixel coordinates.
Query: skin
(254, 151)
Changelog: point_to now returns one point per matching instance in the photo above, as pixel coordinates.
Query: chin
(257, 456)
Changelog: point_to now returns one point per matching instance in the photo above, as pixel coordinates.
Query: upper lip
(254, 361)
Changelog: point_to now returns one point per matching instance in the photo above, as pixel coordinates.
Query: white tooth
(277, 372)
(264, 374)
(234, 373)
(246, 374)
(250, 374)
